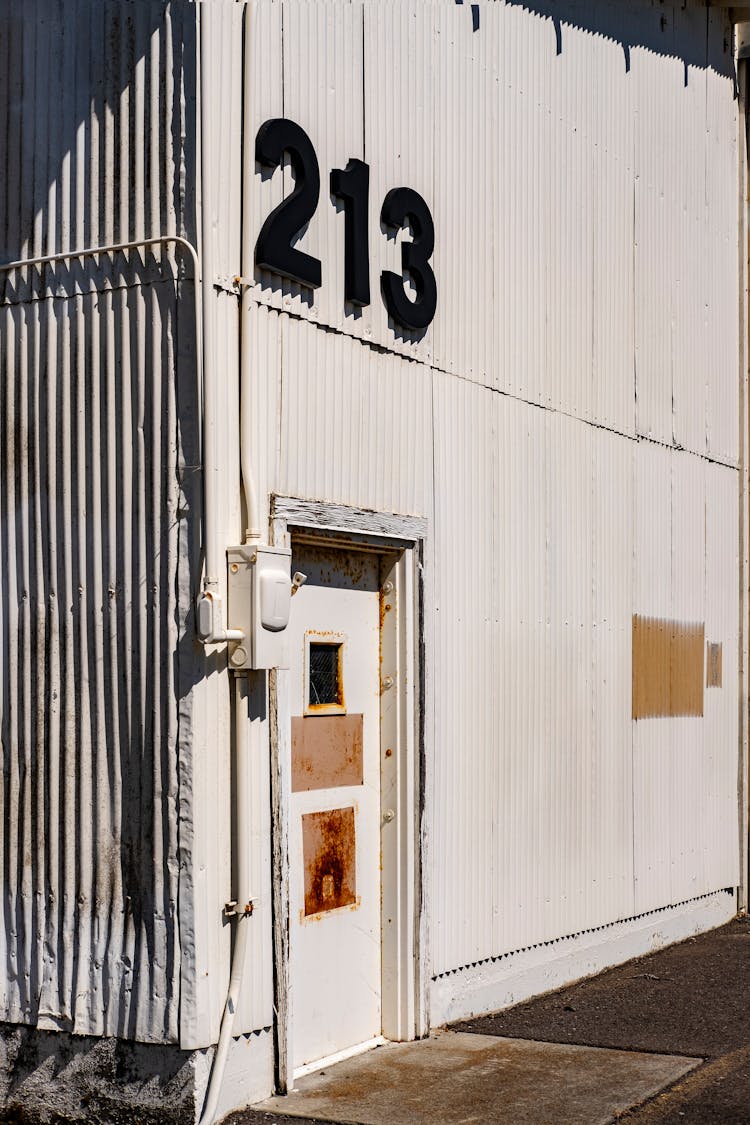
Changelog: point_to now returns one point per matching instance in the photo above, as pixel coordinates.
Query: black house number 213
(351, 185)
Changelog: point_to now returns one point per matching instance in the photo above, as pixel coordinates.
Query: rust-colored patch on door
(667, 667)
(329, 854)
(326, 751)
(713, 664)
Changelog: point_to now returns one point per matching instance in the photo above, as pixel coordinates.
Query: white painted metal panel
(519, 645)
(564, 794)
(659, 81)
(612, 146)
(208, 878)
(355, 422)
(569, 172)
(465, 812)
(96, 430)
(577, 250)
(335, 958)
(466, 84)
(326, 39)
(685, 768)
(584, 195)
(523, 45)
(100, 101)
(652, 583)
(687, 809)
(540, 791)
(568, 257)
(89, 705)
(719, 821)
(400, 125)
(721, 282)
(612, 583)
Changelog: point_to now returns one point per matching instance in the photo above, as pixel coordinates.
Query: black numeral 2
(402, 206)
(273, 250)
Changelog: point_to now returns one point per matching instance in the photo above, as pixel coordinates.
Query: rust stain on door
(326, 751)
(329, 854)
(667, 667)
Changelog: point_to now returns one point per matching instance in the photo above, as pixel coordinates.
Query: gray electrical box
(259, 599)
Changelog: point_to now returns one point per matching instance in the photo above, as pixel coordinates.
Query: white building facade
(448, 301)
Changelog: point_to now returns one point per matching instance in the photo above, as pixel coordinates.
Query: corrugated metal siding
(96, 96)
(99, 146)
(534, 621)
(582, 177)
(89, 721)
(354, 422)
(570, 231)
(685, 770)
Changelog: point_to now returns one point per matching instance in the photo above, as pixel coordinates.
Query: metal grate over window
(325, 675)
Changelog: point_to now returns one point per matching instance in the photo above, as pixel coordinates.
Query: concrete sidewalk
(663, 1039)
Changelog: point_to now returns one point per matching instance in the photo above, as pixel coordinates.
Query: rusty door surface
(334, 834)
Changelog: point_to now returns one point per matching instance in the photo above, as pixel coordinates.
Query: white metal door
(334, 830)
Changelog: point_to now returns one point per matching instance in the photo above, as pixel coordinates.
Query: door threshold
(339, 1056)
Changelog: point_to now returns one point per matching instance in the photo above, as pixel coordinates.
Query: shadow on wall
(698, 37)
(99, 98)
(98, 455)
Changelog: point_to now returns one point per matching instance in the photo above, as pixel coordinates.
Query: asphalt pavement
(662, 1039)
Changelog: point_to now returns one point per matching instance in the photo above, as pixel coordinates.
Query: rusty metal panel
(329, 851)
(667, 667)
(326, 751)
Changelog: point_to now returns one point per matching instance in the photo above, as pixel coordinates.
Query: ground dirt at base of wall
(54, 1078)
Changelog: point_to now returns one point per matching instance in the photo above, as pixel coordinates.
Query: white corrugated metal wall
(568, 423)
(97, 439)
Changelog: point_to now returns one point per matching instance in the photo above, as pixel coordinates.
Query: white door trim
(405, 980)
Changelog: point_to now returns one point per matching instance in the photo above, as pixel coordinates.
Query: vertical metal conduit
(245, 745)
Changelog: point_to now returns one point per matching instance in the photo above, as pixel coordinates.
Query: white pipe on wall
(214, 562)
(252, 531)
(245, 745)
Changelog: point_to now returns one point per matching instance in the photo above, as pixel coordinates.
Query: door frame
(405, 985)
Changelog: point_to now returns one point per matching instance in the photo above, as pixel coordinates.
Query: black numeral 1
(352, 185)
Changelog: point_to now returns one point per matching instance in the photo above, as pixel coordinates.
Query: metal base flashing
(510, 978)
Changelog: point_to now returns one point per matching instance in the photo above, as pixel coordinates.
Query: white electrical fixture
(259, 597)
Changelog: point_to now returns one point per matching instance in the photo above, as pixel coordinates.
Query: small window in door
(324, 675)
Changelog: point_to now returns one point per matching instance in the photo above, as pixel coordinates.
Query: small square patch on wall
(326, 751)
(329, 853)
(667, 667)
(713, 664)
